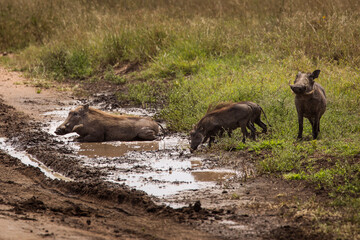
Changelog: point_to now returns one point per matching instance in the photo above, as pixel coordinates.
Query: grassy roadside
(195, 53)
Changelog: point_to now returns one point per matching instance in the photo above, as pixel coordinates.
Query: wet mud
(28, 203)
(159, 168)
(159, 187)
(199, 192)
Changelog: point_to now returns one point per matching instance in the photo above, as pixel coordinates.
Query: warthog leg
(315, 124)
(90, 138)
(261, 124)
(301, 125)
(147, 134)
(87, 135)
(79, 129)
(244, 132)
(311, 121)
(211, 140)
(94, 138)
(315, 128)
(79, 139)
(252, 130)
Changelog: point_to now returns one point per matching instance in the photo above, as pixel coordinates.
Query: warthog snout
(195, 140)
(65, 127)
(60, 130)
(298, 89)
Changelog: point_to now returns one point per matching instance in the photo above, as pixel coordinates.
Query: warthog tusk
(311, 92)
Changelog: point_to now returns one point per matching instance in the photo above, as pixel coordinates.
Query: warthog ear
(296, 77)
(315, 74)
(86, 107)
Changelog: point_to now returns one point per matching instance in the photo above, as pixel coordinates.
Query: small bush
(145, 94)
(65, 64)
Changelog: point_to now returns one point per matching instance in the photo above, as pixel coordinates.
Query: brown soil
(33, 207)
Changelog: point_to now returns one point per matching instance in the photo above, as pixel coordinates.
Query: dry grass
(321, 29)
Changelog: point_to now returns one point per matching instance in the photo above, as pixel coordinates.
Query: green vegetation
(195, 53)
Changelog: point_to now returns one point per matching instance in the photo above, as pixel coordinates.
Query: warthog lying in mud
(256, 113)
(217, 121)
(96, 126)
(310, 100)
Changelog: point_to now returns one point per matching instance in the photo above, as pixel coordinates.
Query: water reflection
(114, 149)
(196, 163)
(212, 176)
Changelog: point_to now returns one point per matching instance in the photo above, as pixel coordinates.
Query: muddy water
(114, 149)
(160, 168)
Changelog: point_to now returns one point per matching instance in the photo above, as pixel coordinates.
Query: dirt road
(33, 206)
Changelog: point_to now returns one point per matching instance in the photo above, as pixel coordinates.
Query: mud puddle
(160, 168)
(30, 160)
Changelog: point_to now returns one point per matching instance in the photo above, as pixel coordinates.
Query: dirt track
(32, 206)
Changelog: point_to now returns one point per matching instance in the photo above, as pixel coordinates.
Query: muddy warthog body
(96, 126)
(255, 116)
(217, 121)
(310, 100)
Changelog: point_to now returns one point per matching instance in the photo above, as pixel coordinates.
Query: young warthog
(255, 117)
(214, 123)
(310, 100)
(97, 126)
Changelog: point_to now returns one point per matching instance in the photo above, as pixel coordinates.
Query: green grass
(195, 53)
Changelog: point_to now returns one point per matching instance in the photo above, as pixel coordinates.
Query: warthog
(216, 122)
(310, 100)
(96, 126)
(255, 117)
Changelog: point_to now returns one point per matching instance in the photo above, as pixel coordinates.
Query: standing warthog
(96, 126)
(214, 123)
(256, 113)
(310, 100)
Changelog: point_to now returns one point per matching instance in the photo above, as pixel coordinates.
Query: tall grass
(111, 32)
(200, 52)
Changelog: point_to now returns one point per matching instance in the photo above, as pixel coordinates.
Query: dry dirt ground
(35, 207)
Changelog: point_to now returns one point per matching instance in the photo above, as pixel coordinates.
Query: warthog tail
(163, 131)
(265, 116)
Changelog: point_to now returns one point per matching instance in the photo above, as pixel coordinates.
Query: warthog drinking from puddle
(214, 123)
(256, 113)
(96, 126)
(310, 100)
